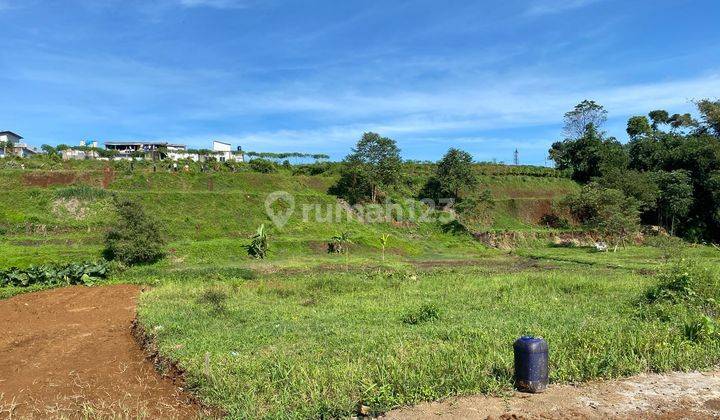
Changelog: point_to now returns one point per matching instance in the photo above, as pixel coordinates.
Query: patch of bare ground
(687, 395)
(70, 353)
(504, 264)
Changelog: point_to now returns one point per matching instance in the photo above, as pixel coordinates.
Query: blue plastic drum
(531, 364)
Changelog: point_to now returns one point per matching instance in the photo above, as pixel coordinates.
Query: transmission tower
(516, 157)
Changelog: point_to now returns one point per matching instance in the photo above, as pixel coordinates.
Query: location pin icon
(278, 216)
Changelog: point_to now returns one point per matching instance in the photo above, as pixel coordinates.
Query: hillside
(219, 211)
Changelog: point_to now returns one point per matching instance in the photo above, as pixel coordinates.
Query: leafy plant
(425, 313)
(258, 247)
(383, 243)
(702, 329)
(341, 242)
(685, 281)
(73, 273)
(135, 236)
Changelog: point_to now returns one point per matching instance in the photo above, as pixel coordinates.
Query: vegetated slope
(67, 211)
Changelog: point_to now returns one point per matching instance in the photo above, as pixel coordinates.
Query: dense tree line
(669, 171)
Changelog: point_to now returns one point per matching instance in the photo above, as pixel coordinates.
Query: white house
(9, 136)
(74, 154)
(224, 153)
(127, 149)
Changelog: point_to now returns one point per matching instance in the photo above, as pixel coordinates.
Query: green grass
(306, 333)
(319, 344)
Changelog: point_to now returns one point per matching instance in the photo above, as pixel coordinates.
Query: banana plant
(383, 243)
(343, 240)
(258, 247)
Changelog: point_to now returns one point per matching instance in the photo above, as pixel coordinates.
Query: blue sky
(312, 76)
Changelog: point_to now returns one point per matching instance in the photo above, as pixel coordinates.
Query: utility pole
(516, 157)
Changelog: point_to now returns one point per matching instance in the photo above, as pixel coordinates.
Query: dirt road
(691, 395)
(70, 353)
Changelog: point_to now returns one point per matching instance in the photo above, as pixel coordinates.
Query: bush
(685, 282)
(135, 237)
(263, 166)
(554, 221)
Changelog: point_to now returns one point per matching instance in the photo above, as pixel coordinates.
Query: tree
(676, 196)
(658, 117)
(638, 126)
(710, 115)
(135, 237)
(7, 145)
(641, 186)
(455, 172)
(374, 164)
(589, 155)
(607, 211)
(682, 121)
(49, 150)
(263, 166)
(584, 113)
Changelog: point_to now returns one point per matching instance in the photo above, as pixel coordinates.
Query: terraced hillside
(67, 211)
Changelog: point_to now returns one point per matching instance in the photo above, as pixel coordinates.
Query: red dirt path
(70, 353)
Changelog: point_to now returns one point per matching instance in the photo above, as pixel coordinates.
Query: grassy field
(321, 344)
(306, 333)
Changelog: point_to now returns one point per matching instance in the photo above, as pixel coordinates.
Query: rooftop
(10, 132)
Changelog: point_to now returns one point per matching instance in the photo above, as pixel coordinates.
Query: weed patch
(425, 313)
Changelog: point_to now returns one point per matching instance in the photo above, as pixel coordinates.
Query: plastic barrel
(531, 364)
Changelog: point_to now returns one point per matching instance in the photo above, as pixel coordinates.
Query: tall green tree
(659, 117)
(638, 126)
(588, 156)
(373, 165)
(455, 172)
(675, 198)
(584, 113)
(710, 115)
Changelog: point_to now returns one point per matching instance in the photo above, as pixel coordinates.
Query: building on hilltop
(18, 148)
(223, 152)
(145, 149)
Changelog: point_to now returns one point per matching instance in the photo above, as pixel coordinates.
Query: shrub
(263, 166)
(685, 282)
(607, 211)
(135, 237)
(554, 221)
